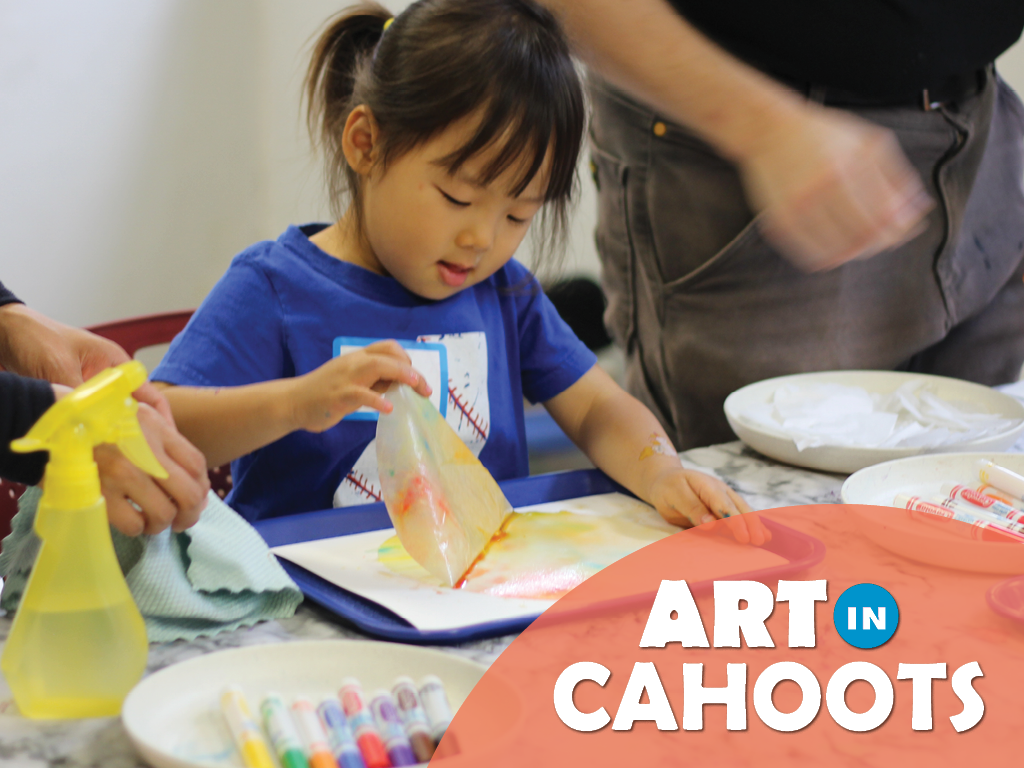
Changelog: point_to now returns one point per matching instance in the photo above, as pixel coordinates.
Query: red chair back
(132, 334)
(137, 333)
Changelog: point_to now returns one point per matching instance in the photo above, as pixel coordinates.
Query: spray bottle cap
(102, 410)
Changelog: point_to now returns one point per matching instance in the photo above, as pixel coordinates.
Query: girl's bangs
(520, 126)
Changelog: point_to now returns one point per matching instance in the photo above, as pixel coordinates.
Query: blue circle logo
(866, 615)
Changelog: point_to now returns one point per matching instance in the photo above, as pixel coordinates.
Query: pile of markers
(994, 510)
(400, 727)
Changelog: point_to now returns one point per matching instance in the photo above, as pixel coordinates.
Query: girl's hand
(342, 385)
(687, 498)
(138, 503)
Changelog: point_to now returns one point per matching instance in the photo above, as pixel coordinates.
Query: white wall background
(145, 142)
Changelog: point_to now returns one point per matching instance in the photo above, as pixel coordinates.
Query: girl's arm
(228, 422)
(623, 438)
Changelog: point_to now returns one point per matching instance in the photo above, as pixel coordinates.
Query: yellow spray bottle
(78, 643)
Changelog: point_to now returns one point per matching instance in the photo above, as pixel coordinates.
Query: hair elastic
(387, 24)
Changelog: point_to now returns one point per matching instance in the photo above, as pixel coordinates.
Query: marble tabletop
(103, 743)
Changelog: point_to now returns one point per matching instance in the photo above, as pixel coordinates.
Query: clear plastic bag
(444, 504)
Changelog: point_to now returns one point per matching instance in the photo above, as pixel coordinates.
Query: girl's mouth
(453, 274)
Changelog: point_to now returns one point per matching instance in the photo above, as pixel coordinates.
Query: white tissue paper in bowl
(912, 416)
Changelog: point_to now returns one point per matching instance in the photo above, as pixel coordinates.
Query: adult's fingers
(121, 481)
(123, 515)
(94, 353)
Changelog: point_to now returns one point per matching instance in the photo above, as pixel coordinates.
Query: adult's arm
(32, 344)
(22, 402)
(51, 355)
(830, 187)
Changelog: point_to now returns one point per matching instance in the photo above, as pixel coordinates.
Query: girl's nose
(478, 237)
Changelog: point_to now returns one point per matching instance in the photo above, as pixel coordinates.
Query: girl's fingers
(738, 528)
(153, 397)
(180, 452)
(187, 496)
(370, 399)
(738, 501)
(382, 368)
(389, 347)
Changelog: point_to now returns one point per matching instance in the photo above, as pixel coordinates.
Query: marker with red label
(391, 731)
(979, 527)
(971, 496)
(360, 719)
(1001, 478)
(343, 743)
(282, 733)
(417, 727)
(313, 736)
(993, 518)
(995, 493)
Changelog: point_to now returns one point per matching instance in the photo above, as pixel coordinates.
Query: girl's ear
(359, 140)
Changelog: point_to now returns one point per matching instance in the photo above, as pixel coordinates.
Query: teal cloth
(216, 576)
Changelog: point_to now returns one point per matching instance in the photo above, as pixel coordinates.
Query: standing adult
(796, 186)
(39, 360)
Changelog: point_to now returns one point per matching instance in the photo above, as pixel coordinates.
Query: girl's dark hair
(443, 60)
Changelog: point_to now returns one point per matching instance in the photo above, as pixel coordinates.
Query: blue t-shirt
(284, 308)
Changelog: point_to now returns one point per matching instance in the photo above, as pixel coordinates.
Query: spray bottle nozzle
(102, 410)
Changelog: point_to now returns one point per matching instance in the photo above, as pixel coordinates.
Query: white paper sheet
(910, 417)
(352, 562)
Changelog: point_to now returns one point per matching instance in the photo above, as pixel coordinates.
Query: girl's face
(437, 233)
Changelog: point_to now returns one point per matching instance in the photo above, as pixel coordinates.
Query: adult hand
(138, 503)
(832, 187)
(34, 345)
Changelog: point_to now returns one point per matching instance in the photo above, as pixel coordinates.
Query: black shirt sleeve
(6, 297)
(22, 402)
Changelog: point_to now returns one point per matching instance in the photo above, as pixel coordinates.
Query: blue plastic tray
(799, 549)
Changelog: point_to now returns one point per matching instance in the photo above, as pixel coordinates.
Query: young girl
(451, 127)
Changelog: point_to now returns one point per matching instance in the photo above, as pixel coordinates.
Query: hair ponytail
(343, 49)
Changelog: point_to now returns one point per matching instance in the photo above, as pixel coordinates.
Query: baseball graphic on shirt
(466, 407)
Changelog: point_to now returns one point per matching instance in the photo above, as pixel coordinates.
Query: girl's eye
(451, 199)
(516, 221)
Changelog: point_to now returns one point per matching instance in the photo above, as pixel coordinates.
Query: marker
(979, 527)
(993, 518)
(389, 723)
(989, 503)
(282, 733)
(244, 729)
(1002, 478)
(313, 736)
(360, 719)
(417, 727)
(343, 743)
(995, 493)
(435, 704)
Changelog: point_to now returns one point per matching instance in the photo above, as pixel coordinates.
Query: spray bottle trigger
(133, 445)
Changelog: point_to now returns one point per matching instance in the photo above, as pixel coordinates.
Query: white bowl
(777, 444)
(923, 476)
(173, 717)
